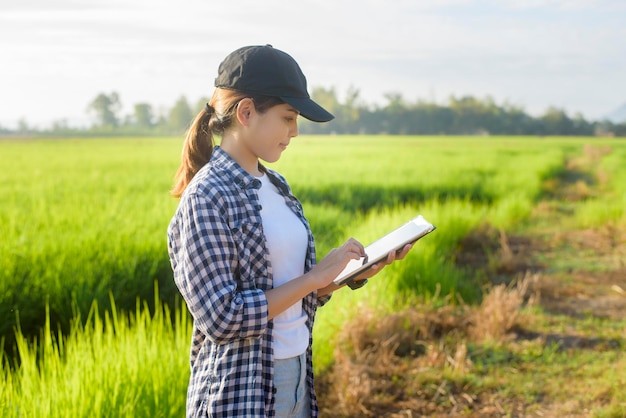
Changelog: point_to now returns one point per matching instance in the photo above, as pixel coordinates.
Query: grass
(82, 219)
(119, 365)
(85, 280)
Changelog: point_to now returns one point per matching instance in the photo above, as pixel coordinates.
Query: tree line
(465, 115)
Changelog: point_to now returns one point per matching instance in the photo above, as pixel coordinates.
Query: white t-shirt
(287, 243)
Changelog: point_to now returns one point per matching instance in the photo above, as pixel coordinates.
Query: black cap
(267, 71)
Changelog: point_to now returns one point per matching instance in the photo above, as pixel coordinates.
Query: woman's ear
(245, 109)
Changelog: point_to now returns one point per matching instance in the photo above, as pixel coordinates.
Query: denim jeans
(292, 394)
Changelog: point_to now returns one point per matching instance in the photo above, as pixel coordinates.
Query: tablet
(408, 233)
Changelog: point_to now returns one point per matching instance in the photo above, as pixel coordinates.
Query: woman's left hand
(391, 257)
(372, 271)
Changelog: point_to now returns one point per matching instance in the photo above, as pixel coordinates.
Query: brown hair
(217, 116)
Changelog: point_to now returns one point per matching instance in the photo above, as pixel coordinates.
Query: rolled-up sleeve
(205, 262)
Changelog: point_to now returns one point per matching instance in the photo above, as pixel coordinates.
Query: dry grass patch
(500, 256)
(580, 177)
(607, 239)
(592, 278)
(499, 313)
(416, 361)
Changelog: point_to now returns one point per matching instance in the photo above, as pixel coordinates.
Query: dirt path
(580, 272)
(598, 286)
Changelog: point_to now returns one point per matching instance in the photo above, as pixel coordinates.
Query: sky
(56, 56)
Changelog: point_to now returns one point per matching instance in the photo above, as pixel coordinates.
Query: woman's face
(271, 132)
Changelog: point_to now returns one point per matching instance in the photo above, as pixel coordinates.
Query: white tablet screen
(395, 240)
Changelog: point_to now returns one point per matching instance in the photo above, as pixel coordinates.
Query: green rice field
(90, 320)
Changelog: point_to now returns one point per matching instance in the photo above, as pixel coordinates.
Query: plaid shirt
(221, 267)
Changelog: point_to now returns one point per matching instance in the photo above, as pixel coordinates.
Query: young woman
(241, 248)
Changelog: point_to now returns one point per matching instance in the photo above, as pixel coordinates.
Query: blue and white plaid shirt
(221, 267)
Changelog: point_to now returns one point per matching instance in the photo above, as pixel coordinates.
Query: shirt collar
(240, 177)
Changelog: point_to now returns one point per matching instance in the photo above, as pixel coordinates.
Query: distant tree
(161, 120)
(60, 125)
(395, 120)
(350, 111)
(606, 128)
(144, 115)
(327, 98)
(619, 129)
(347, 114)
(556, 122)
(105, 108)
(582, 126)
(471, 115)
(431, 118)
(23, 128)
(515, 121)
(180, 115)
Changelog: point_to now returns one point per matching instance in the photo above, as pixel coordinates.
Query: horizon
(61, 54)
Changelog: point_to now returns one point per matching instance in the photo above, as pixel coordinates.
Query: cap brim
(309, 109)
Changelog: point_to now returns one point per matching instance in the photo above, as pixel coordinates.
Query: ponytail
(197, 150)
(214, 119)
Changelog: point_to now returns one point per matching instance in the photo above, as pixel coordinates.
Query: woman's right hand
(335, 261)
(321, 276)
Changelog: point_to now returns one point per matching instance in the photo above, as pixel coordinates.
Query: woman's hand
(321, 276)
(335, 261)
(391, 257)
(372, 271)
